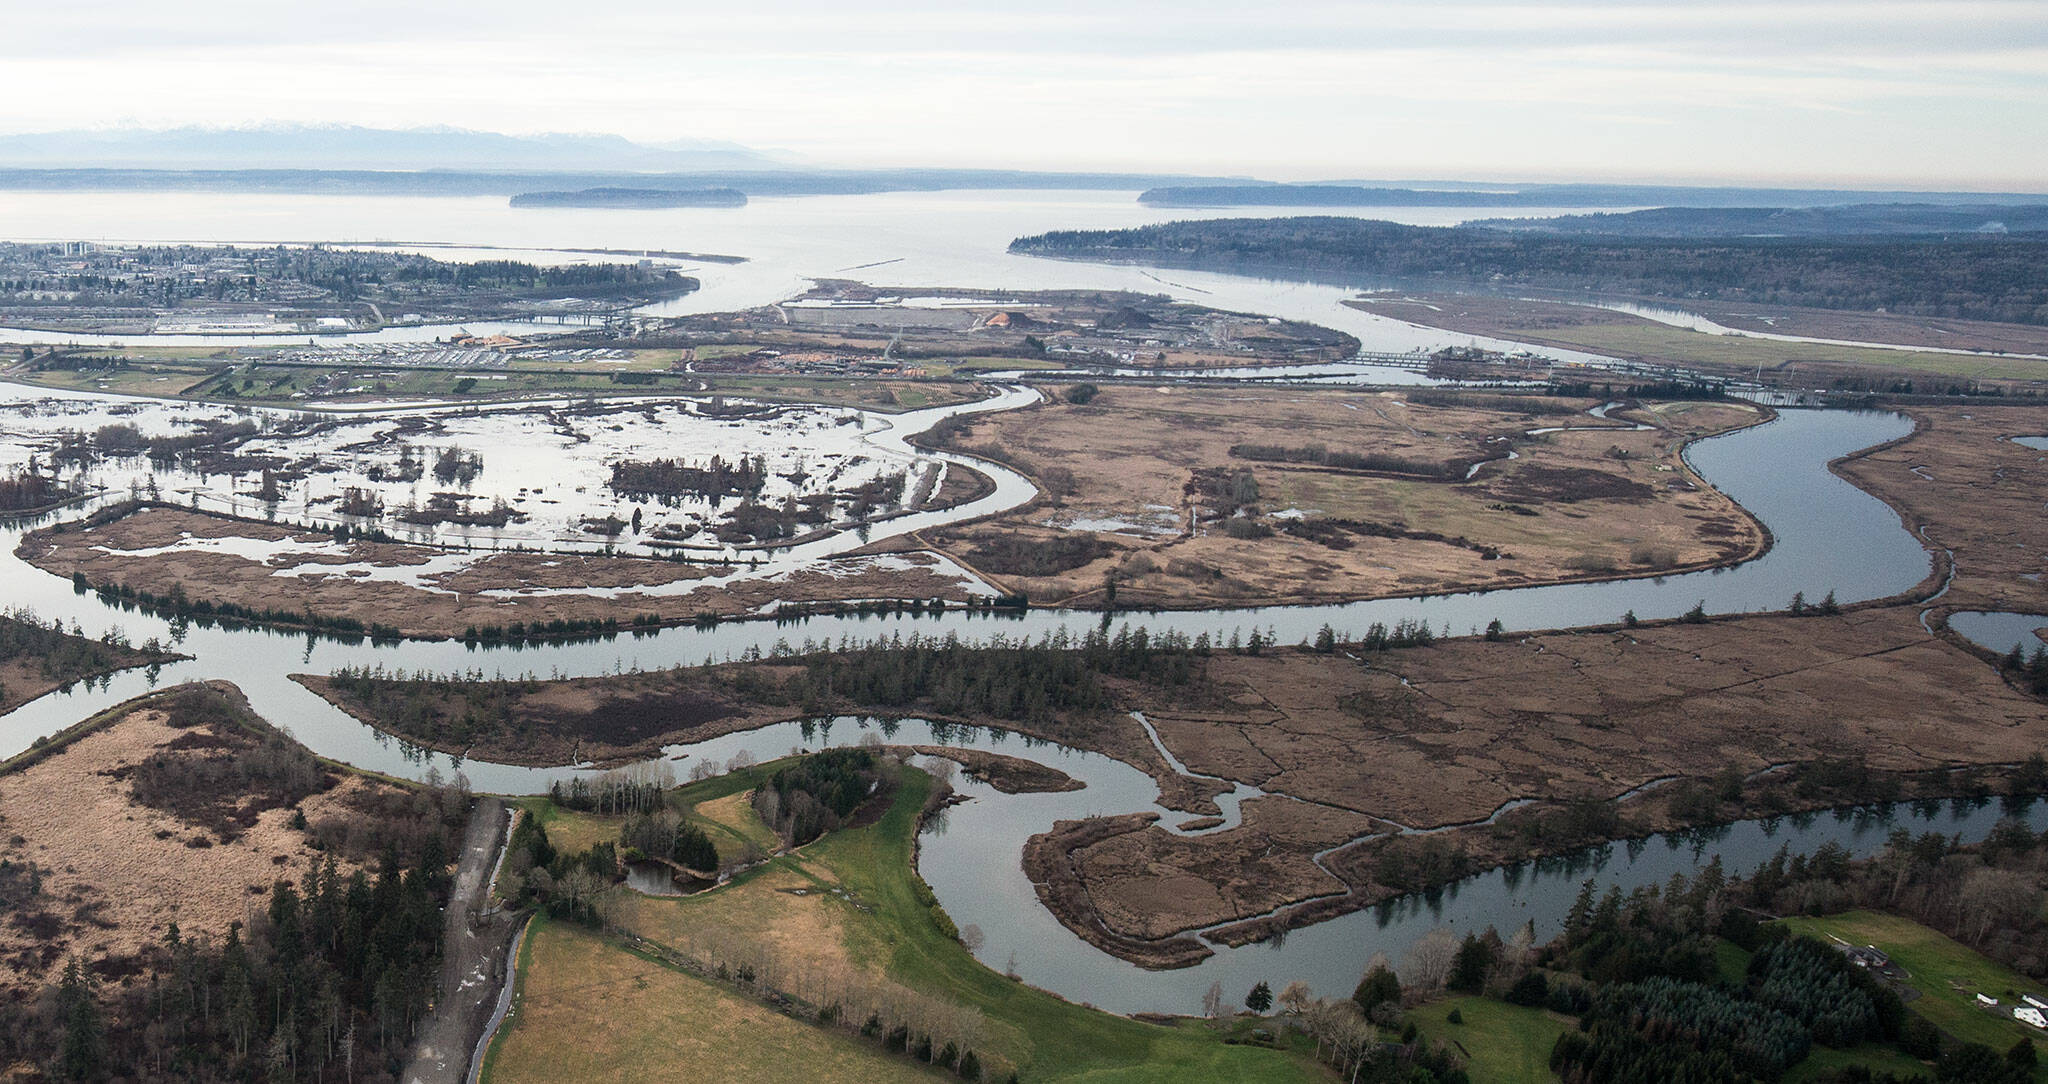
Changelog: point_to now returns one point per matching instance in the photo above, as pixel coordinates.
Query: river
(1828, 536)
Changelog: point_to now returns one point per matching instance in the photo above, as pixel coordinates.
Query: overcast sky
(1938, 94)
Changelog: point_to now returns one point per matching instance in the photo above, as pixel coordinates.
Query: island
(634, 198)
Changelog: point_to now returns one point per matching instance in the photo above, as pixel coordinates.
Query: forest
(1984, 277)
(1696, 979)
(330, 974)
(816, 794)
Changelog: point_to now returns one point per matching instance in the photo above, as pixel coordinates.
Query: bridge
(1411, 359)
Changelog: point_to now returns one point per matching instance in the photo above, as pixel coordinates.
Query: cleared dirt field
(1136, 463)
(114, 873)
(589, 1011)
(494, 589)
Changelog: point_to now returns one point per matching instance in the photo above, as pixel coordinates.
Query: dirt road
(473, 963)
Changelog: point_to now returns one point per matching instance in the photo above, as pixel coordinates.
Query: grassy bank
(1947, 975)
(853, 899)
(1500, 1042)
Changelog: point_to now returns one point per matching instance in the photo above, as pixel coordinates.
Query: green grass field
(1500, 1042)
(587, 1009)
(144, 379)
(885, 928)
(1948, 976)
(1873, 1056)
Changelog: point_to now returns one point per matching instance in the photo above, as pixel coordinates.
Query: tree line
(715, 480)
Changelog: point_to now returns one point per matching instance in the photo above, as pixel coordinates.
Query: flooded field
(538, 476)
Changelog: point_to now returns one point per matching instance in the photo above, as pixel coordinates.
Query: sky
(1951, 94)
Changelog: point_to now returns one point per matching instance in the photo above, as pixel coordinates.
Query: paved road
(473, 962)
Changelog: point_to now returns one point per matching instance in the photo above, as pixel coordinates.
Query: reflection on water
(1828, 536)
(2000, 631)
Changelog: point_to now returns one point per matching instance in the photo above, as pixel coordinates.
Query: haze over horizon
(1823, 92)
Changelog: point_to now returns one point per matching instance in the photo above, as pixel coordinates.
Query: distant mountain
(357, 148)
(507, 182)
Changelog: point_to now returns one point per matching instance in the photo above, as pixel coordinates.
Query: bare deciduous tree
(1428, 963)
(1296, 998)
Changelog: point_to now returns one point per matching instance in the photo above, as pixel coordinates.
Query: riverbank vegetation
(27, 489)
(1695, 980)
(37, 657)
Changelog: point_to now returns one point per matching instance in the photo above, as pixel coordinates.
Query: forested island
(634, 198)
(86, 287)
(1984, 277)
(1861, 219)
(1545, 195)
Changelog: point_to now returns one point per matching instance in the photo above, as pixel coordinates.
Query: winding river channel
(1827, 536)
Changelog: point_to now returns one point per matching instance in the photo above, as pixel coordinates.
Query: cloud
(1952, 89)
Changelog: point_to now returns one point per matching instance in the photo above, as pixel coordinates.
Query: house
(1987, 1001)
(2027, 1014)
(1865, 955)
(2034, 1001)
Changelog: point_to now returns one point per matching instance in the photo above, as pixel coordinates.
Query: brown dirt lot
(457, 602)
(115, 873)
(1589, 503)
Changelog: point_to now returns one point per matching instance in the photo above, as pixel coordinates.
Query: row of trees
(1007, 679)
(1319, 455)
(672, 478)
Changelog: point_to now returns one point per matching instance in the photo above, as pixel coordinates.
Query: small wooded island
(634, 198)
